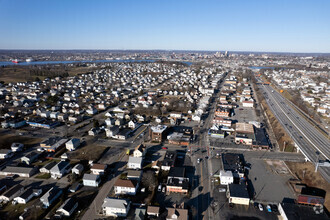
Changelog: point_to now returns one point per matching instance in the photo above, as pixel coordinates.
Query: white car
(222, 190)
(261, 208)
(159, 188)
(198, 160)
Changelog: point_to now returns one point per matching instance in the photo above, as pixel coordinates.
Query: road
(204, 169)
(95, 207)
(314, 145)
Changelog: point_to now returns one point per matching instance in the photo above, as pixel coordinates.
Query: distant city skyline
(258, 26)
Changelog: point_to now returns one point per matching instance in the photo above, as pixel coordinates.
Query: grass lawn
(43, 176)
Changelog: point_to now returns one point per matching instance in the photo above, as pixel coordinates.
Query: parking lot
(243, 114)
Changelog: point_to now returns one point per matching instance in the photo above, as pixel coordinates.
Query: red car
(164, 148)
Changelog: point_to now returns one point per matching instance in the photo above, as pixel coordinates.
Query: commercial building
(158, 133)
(238, 194)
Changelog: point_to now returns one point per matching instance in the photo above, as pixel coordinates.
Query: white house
(248, 104)
(226, 177)
(72, 144)
(139, 151)
(78, 169)
(112, 131)
(98, 169)
(26, 196)
(116, 207)
(60, 169)
(67, 208)
(127, 187)
(5, 153)
(134, 162)
(16, 147)
(91, 180)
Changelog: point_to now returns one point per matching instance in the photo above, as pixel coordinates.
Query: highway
(314, 145)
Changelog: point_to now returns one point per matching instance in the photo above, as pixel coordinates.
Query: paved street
(95, 207)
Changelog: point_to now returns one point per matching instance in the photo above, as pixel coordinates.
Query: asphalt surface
(314, 145)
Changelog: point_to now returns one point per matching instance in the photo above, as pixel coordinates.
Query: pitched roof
(182, 214)
(115, 203)
(97, 166)
(153, 209)
(125, 183)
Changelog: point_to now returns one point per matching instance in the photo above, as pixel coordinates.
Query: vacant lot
(88, 152)
(311, 178)
(7, 140)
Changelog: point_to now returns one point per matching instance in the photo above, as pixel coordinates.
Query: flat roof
(158, 128)
(238, 190)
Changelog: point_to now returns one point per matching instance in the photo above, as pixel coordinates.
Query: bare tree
(149, 180)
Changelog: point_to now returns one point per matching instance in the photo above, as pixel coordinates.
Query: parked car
(268, 208)
(164, 148)
(222, 190)
(274, 208)
(261, 207)
(159, 188)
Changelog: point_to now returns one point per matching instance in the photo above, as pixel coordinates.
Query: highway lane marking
(297, 126)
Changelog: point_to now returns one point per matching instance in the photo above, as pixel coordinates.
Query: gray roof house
(12, 193)
(50, 196)
(116, 207)
(47, 167)
(67, 208)
(30, 157)
(20, 171)
(91, 180)
(60, 169)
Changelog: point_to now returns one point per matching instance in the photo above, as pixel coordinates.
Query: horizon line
(237, 51)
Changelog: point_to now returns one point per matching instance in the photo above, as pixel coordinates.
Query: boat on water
(29, 60)
(15, 61)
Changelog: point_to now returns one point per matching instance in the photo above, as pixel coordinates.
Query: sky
(233, 25)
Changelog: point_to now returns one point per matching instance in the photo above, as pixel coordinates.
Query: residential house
(98, 169)
(15, 147)
(26, 196)
(153, 211)
(47, 167)
(139, 214)
(134, 163)
(72, 144)
(5, 153)
(139, 151)
(50, 196)
(67, 208)
(112, 131)
(20, 171)
(116, 207)
(126, 187)
(91, 180)
(12, 193)
(134, 174)
(226, 177)
(30, 158)
(78, 169)
(177, 213)
(60, 169)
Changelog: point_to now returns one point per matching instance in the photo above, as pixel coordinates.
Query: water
(261, 67)
(8, 63)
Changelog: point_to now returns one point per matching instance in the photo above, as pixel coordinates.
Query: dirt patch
(305, 172)
(88, 152)
(278, 166)
(7, 140)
